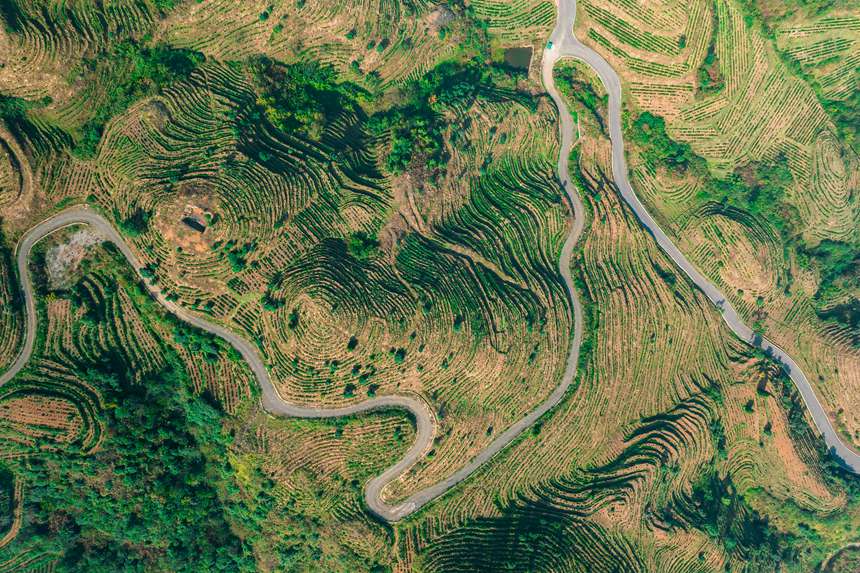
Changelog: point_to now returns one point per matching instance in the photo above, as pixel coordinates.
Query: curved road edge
(565, 44)
(274, 404)
(271, 400)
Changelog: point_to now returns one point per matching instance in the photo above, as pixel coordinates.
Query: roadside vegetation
(578, 88)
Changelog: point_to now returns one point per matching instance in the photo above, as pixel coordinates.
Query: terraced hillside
(359, 272)
(368, 191)
(819, 42)
(355, 282)
(123, 404)
(698, 423)
(746, 164)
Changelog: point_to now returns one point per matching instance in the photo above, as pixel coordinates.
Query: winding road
(564, 44)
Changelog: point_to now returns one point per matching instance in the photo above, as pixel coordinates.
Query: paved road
(565, 44)
(272, 401)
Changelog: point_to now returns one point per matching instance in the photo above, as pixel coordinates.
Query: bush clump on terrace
(649, 134)
(362, 246)
(417, 124)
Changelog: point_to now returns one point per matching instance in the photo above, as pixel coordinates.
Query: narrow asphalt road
(272, 401)
(565, 44)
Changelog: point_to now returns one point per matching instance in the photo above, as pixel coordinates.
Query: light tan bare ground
(41, 416)
(191, 202)
(63, 260)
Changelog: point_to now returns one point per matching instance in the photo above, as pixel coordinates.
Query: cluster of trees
(301, 97)
(127, 72)
(648, 131)
(149, 498)
(838, 262)
(7, 498)
(13, 108)
(846, 115)
(710, 77)
(12, 16)
(579, 89)
(197, 341)
(723, 513)
(416, 125)
(238, 256)
(12, 291)
(362, 246)
(136, 224)
(758, 188)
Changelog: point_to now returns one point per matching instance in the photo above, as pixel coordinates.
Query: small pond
(519, 57)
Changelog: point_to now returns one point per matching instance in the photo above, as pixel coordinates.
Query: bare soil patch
(186, 222)
(63, 260)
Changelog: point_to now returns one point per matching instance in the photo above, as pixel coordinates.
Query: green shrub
(362, 246)
(649, 133)
(302, 96)
(137, 224)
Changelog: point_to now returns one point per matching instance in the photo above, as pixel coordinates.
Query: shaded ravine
(565, 44)
(274, 404)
